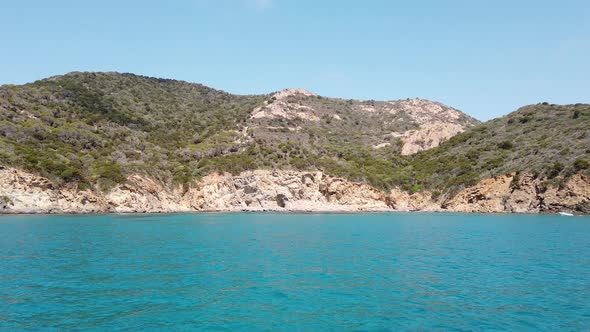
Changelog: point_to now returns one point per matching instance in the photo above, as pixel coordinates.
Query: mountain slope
(89, 127)
(95, 129)
(549, 141)
(133, 143)
(403, 126)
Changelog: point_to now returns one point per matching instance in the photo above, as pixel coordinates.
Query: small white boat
(567, 214)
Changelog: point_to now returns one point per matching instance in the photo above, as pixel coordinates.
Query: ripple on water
(377, 272)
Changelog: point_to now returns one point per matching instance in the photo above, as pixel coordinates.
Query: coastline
(284, 211)
(281, 212)
(264, 191)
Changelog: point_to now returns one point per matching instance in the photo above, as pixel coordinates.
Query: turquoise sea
(295, 272)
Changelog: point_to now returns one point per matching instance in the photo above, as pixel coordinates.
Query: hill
(96, 129)
(549, 141)
(127, 143)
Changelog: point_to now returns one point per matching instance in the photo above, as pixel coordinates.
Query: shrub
(67, 173)
(110, 171)
(6, 200)
(515, 184)
(415, 188)
(555, 170)
(525, 119)
(505, 145)
(576, 114)
(472, 155)
(581, 164)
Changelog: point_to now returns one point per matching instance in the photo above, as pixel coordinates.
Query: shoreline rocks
(286, 191)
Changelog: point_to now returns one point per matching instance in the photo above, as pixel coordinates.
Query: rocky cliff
(263, 190)
(510, 193)
(22, 192)
(523, 194)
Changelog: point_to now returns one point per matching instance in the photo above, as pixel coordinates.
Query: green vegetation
(5, 200)
(581, 164)
(98, 127)
(546, 140)
(94, 129)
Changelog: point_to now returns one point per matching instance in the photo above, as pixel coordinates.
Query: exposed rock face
(421, 201)
(419, 124)
(574, 196)
(523, 194)
(22, 192)
(279, 108)
(28, 193)
(285, 190)
(423, 110)
(262, 190)
(489, 195)
(437, 123)
(429, 136)
(291, 92)
(143, 195)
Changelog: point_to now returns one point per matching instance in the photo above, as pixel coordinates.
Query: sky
(486, 58)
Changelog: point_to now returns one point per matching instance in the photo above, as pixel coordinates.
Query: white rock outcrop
(260, 190)
(265, 190)
(279, 108)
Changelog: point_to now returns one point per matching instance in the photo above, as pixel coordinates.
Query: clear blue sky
(484, 57)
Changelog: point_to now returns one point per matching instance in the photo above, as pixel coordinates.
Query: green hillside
(549, 141)
(97, 127)
(93, 129)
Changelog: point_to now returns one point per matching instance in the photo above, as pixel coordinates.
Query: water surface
(361, 272)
